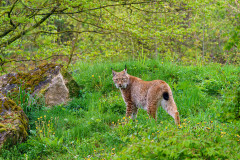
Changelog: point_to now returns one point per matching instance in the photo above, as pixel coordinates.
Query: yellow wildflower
(92, 75)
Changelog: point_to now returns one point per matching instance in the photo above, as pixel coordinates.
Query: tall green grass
(94, 127)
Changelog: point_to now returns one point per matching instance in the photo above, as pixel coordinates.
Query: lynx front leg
(129, 110)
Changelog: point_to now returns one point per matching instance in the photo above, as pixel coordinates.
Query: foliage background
(33, 32)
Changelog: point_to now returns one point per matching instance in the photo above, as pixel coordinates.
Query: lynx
(147, 95)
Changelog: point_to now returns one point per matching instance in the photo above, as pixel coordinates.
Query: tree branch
(34, 60)
(6, 43)
(105, 6)
(179, 10)
(85, 22)
(9, 14)
(67, 31)
(10, 21)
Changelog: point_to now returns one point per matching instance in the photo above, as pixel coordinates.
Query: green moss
(23, 131)
(3, 130)
(10, 105)
(43, 89)
(29, 81)
(1, 106)
(71, 84)
(23, 120)
(2, 125)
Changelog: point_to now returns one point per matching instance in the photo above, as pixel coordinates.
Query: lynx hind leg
(152, 111)
(169, 105)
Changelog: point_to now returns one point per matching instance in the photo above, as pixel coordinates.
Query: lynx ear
(125, 70)
(113, 72)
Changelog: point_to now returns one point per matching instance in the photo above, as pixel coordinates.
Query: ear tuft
(113, 72)
(125, 70)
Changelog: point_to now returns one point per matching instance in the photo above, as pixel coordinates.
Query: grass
(94, 127)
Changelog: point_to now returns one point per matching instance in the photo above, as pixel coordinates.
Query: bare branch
(67, 31)
(34, 60)
(85, 22)
(179, 10)
(119, 18)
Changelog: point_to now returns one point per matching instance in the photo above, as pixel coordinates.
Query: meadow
(94, 126)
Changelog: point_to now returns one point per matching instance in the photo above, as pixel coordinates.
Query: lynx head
(121, 79)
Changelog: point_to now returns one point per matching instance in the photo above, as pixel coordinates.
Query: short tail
(166, 96)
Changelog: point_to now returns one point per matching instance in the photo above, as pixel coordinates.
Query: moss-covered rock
(13, 122)
(46, 80)
(50, 80)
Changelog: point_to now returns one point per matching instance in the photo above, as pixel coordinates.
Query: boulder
(49, 80)
(13, 122)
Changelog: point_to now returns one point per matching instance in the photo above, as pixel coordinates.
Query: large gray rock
(56, 92)
(49, 80)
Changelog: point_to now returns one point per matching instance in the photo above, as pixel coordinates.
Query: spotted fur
(147, 95)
